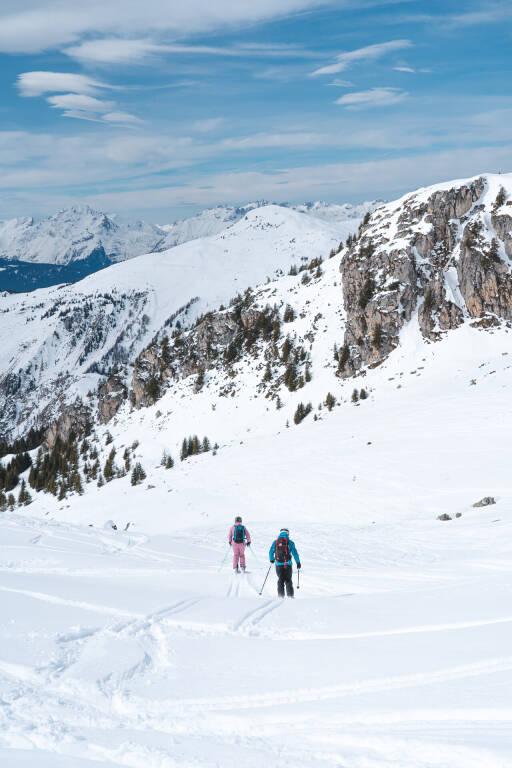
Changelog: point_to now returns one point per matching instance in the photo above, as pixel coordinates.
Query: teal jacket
(291, 547)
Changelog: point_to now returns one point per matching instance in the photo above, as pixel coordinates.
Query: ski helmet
(238, 519)
(285, 530)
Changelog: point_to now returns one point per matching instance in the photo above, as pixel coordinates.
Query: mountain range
(78, 241)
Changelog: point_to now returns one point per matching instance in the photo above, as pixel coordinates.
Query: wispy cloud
(78, 96)
(374, 97)
(368, 53)
(40, 83)
(115, 50)
(29, 26)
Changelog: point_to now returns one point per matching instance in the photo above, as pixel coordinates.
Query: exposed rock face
(111, 395)
(73, 420)
(216, 339)
(441, 254)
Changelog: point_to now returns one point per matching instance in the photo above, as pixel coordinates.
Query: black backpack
(239, 534)
(282, 550)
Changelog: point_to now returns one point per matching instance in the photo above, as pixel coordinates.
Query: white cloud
(79, 101)
(374, 97)
(121, 118)
(28, 26)
(368, 53)
(40, 83)
(76, 95)
(115, 50)
(410, 70)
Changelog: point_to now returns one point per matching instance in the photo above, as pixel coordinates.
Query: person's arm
(293, 550)
(230, 535)
(272, 552)
(247, 537)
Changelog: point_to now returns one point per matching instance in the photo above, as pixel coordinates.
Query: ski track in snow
(164, 668)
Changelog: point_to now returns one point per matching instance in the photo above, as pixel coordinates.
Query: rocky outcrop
(74, 421)
(216, 340)
(111, 394)
(432, 255)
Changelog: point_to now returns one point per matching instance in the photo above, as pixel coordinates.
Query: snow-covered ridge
(57, 343)
(74, 234)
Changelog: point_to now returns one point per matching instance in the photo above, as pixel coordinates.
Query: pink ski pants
(238, 554)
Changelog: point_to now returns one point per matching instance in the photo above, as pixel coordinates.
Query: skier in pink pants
(238, 538)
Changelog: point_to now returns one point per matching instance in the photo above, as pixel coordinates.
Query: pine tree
(355, 396)
(363, 394)
(24, 497)
(100, 482)
(301, 412)
(108, 469)
(330, 401)
(343, 356)
(138, 474)
(289, 314)
(377, 336)
(279, 404)
(205, 445)
(169, 462)
(3, 501)
(184, 454)
(286, 349)
(11, 501)
(267, 376)
(108, 439)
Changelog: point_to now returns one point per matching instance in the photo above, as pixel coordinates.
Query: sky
(158, 109)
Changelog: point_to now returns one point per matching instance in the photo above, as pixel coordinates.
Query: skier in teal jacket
(281, 552)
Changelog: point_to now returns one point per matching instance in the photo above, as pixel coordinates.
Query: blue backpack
(239, 534)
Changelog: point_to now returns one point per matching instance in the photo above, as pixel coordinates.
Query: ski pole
(298, 579)
(224, 560)
(266, 577)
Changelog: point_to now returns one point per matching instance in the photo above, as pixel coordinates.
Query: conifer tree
(355, 396)
(330, 401)
(363, 394)
(11, 501)
(138, 474)
(3, 501)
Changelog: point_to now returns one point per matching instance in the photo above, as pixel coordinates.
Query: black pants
(284, 579)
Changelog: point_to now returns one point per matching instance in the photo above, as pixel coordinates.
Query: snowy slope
(55, 341)
(138, 646)
(215, 220)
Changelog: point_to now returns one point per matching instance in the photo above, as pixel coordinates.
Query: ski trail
(44, 597)
(254, 617)
(185, 707)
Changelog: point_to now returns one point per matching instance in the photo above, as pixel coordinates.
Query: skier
(281, 553)
(238, 538)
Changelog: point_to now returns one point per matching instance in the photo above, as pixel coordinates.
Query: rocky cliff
(439, 257)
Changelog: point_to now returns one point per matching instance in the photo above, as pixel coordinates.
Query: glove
(299, 566)
(272, 561)
(248, 543)
(230, 544)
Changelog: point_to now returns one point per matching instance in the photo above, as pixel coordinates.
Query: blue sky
(160, 108)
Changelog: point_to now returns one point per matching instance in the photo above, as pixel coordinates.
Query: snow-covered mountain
(75, 234)
(128, 640)
(215, 220)
(58, 342)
